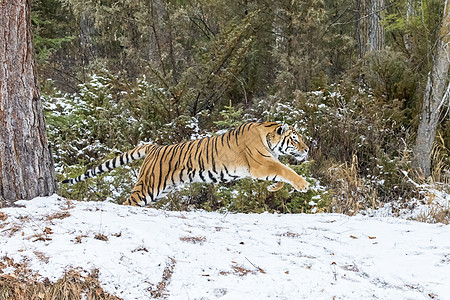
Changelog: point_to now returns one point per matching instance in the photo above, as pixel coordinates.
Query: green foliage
(91, 123)
(45, 47)
(49, 32)
(114, 186)
(130, 72)
(390, 76)
(231, 117)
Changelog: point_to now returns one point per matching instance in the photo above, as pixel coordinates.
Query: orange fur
(250, 150)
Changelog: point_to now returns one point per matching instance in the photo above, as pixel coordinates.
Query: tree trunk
(436, 94)
(87, 32)
(26, 165)
(409, 14)
(370, 31)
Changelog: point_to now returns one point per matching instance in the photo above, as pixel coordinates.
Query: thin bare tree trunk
(409, 14)
(26, 166)
(370, 31)
(435, 97)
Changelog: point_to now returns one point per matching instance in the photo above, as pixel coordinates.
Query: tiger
(249, 150)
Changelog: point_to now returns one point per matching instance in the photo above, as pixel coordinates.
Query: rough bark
(26, 166)
(370, 31)
(435, 97)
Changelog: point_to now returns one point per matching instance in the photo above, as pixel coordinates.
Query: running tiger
(250, 150)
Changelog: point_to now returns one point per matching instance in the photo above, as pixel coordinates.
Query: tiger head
(285, 140)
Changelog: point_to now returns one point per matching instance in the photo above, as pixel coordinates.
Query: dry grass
(193, 239)
(68, 205)
(42, 236)
(101, 237)
(351, 194)
(290, 234)
(242, 271)
(41, 256)
(159, 291)
(16, 227)
(436, 213)
(78, 239)
(23, 284)
(140, 249)
(59, 215)
(440, 171)
(440, 181)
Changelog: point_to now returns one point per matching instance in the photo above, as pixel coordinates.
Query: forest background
(350, 75)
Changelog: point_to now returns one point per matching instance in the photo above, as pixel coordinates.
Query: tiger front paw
(276, 186)
(301, 185)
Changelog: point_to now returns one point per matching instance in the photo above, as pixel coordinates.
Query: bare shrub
(24, 284)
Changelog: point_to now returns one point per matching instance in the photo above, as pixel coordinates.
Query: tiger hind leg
(142, 196)
(137, 197)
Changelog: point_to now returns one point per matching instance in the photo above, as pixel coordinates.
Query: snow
(231, 256)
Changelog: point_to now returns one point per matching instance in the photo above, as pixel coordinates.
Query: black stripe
(174, 170)
(251, 156)
(190, 145)
(282, 143)
(207, 151)
(236, 133)
(201, 176)
(228, 139)
(262, 154)
(160, 170)
(191, 174)
(228, 173)
(181, 175)
(241, 129)
(149, 165)
(154, 150)
(212, 177)
(213, 161)
(200, 161)
(198, 147)
(107, 165)
(226, 170)
(173, 149)
(215, 145)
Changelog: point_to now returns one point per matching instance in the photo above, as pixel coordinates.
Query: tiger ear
(282, 129)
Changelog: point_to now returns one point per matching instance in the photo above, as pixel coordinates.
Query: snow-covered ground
(202, 255)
